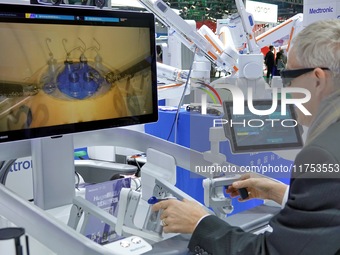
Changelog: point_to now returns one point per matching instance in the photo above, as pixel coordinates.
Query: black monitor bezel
(146, 20)
(231, 135)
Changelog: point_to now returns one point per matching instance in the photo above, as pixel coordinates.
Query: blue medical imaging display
(66, 70)
(249, 132)
(97, 3)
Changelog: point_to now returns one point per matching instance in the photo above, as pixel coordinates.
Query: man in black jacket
(269, 61)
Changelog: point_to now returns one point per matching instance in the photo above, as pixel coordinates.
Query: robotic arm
(248, 25)
(290, 27)
(204, 41)
(246, 68)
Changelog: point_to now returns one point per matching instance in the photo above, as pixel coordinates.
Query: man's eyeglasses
(288, 75)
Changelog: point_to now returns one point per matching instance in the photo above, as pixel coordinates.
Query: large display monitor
(66, 70)
(249, 132)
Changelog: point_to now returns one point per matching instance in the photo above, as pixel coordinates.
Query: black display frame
(231, 131)
(16, 14)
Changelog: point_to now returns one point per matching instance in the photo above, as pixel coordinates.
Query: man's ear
(322, 82)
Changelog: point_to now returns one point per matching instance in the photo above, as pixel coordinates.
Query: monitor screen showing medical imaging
(82, 3)
(250, 132)
(66, 70)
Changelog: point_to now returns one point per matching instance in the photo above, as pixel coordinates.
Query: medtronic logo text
(21, 165)
(320, 10)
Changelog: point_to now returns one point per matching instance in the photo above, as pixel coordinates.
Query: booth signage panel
(262, 12)
(314, 10)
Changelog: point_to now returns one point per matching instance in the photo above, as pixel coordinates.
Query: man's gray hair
(318, 45)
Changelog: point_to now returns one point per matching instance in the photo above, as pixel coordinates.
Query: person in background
(309, 222)
(284, 56)
(269, 61)
(279, 63)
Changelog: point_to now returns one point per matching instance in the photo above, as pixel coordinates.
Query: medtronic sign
(320, 10)
(314, 10)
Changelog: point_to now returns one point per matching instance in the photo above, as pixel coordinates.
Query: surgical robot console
(157, 180)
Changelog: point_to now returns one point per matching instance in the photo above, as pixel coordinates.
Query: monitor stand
(53, 171)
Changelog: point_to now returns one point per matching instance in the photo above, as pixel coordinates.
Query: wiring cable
(174, 123)
(210, 95)
(137, 183)
(4, 170)
(138, 172)
(212, 89)
(78, 180)
(170, 86)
